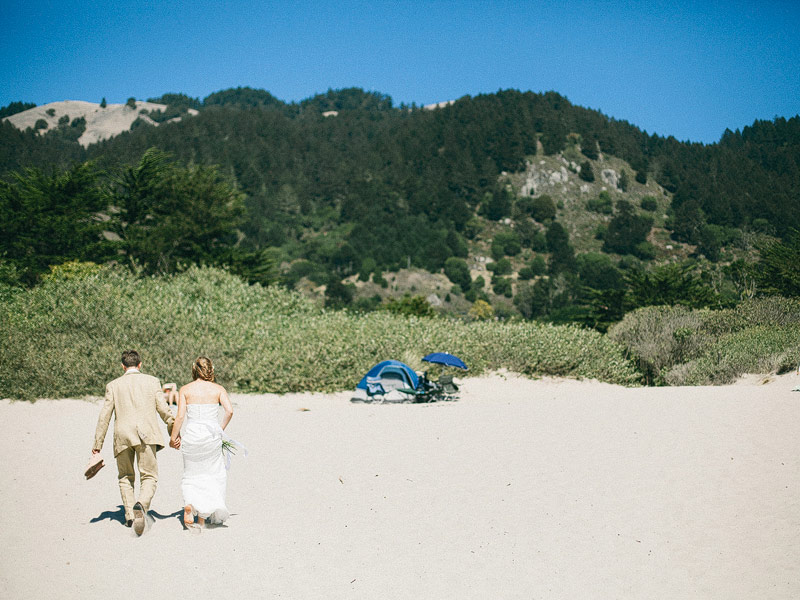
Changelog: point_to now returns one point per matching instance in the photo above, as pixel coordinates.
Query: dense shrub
(505, 243)
(598, 272)
(64, 337)
(501, 267)
(525, 273)
(762, 349)
(659, 337)
(602, 204)
(541, 208)
(649, 203)
(457, 271)
(624, 181)
(538, 265)
(679, 346)
(502, 286)
(770, 311)
(626, 230)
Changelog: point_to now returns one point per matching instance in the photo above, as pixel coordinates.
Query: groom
(138, 401)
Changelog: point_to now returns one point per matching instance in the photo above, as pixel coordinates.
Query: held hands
(175, 442)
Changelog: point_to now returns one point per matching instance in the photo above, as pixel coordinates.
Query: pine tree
(587, 174)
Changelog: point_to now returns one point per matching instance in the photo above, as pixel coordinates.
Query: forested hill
(347, 183)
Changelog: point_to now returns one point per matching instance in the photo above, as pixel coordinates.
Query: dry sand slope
(522, 489)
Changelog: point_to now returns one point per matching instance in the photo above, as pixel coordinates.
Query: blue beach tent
(387, 377)
(394, 371)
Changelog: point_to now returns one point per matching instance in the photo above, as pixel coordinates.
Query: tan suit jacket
(138, 401)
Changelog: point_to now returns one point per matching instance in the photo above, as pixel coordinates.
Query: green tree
(457, 271)
(624, 181)
(589, 147)
(597, 271)
(14, 108)
(498, 204)
(602, 204)
(562, 255)
(533, 300)
(259, 266)
(172, 215)
(505, 243)
(779, 271)
(686, 222)
(501, 267)
(51, 219)
(587, 173)
(626, 230)
(337, 294)
(410, 306)
(603, 307)
(543, 208)
(710, 241)
(668, 285)
(368, 266)
(649, 203)
(103, 102)
(131, 103)
(502, 286)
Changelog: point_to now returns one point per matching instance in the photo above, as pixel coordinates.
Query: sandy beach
(521, 489)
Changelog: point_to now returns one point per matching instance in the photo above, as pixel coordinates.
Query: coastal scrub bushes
(681, 346)
(64, 336)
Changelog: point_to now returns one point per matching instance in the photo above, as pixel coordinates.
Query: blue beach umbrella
(443, 358)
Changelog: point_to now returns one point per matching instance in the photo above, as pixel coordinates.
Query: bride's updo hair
(203, 369)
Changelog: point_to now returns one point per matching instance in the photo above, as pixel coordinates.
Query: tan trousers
(148, 476)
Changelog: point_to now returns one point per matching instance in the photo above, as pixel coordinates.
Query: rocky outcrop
(539, 177)
(610, 177)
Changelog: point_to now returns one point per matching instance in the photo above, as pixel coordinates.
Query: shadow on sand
(119, 515)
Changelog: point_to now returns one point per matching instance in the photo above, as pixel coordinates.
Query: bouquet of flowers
(229, 448)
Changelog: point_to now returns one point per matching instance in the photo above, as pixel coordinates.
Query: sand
(521, 489)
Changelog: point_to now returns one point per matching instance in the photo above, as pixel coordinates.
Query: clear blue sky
(688, 69)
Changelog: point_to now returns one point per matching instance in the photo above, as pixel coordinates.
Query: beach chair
(375, 390)
(448, 387)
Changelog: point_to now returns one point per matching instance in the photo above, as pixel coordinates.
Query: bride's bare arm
(175, 438)
(226, 405)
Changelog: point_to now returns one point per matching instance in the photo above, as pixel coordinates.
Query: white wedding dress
(204, 473)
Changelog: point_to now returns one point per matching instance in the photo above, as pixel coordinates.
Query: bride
(204, 472)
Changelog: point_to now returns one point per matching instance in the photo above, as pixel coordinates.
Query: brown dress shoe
(138, 518)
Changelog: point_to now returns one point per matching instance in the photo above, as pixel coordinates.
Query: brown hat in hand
(95, 464)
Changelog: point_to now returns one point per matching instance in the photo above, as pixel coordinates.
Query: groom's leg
(148, 473)
(126, 478)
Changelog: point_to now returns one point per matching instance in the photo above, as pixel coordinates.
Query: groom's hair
(130, 358)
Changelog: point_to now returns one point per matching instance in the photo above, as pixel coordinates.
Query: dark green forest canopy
(440, 161)
(388, 186)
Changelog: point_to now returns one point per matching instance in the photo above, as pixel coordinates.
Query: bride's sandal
(188, 519)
